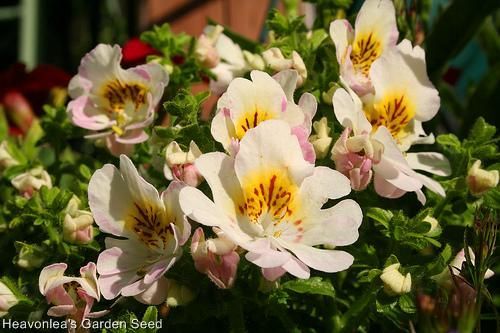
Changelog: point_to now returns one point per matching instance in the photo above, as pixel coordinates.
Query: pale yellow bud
(321, 141)
(480, 180)
(395, 283)
(254, 61)
(435, 227)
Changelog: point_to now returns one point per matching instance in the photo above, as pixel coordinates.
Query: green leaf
(449, 141)
(380, 215)
(4, 126)
(85, 171)
(315, 285)
(482, 131)
(150, 317)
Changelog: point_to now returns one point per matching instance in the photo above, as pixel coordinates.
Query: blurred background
(60, 32)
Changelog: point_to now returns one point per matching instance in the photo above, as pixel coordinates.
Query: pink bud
(215, 257)
(19, 110)
(355, 156)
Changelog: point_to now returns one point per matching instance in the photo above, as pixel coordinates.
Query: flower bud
(480, 180)
(77, 225)
(19, 110)
(327, 96)
(300, 67)
(6, 159)
(29, 256)
(180, 165)
(31, 181)
(215, 257)
(178, 294)
(206, 52)
(254, 61)
(7, 299)
(354, 157)
(395, 283)
(321, 141)
(275, 59)
(435, 229)
(78, 229)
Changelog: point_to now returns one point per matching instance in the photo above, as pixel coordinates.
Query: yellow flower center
(251, 119)
(118, 94)
(366, 48)
(394, 111)
(271, 199)
(150, 224)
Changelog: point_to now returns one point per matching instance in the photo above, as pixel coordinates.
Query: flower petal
(434, 163)
(329, 261)
(109, 199)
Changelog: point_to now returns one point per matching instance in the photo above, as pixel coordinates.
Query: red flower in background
(22, 93)
(135, 52)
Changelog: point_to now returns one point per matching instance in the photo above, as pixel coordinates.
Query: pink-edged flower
(247, 103)
(31, 181)
(215, 257)
(114, 103)
(268, 200)
(375, 31)
(7, 299)
(361, 148)
(71, 297)
(151, 228)
(179, 165)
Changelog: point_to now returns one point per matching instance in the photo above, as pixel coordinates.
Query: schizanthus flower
(116, 104)
(268, 201)
(151, 226)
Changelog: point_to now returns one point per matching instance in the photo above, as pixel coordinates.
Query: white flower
(247, 103)
(31, 181)
(77, 224)
(7, 299)
(395, 283)
(268, 200)
(375, 32)
(374, 147)
(232, 61)
(151, 226)
(479, 180)
(404, 97)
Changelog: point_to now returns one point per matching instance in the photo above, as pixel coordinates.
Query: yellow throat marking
(366, 48)
(394, 111)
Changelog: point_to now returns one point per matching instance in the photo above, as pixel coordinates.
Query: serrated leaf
(151, 315)
(380, 215)
(315, 285)
(407, 303)
(482, 131)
